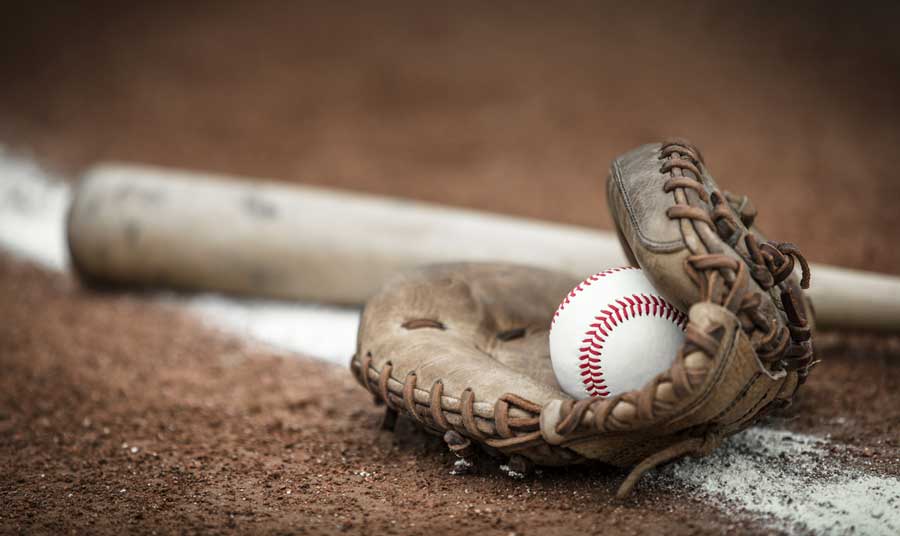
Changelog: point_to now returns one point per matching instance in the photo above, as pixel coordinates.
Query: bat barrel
(139, 225)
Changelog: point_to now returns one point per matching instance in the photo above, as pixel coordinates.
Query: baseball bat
(145, 226)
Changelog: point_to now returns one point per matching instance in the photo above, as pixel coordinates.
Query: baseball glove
(462, 349)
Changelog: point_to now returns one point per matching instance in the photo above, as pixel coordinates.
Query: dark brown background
(512, 108)
(503, 107)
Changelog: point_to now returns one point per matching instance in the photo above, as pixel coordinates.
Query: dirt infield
(119, 414)
(160, 424)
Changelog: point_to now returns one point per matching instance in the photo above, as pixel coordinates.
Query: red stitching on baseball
(580, 288)
(591, 356)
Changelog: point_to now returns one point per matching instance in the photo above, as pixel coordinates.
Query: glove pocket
(711, 391)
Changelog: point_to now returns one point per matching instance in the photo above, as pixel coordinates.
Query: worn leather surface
(480, 306)
(658, 243)
(635, 183)
(638, 204)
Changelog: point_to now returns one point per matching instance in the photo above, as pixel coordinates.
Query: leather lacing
(499, 429)
(724, 279)
(720, 278)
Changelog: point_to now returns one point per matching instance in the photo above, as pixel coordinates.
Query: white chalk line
(793, 482)
(33, 206)
(784, 480)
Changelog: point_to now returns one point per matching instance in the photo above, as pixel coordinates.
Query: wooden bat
(144, 226)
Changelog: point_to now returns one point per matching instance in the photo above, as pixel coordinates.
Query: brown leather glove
(463, 349)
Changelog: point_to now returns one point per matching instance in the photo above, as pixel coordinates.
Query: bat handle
(853, 299)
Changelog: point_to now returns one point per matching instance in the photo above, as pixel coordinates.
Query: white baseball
(612, 334)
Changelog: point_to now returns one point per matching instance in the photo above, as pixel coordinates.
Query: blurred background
(509, 107)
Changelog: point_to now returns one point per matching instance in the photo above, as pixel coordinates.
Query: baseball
(612, 334)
